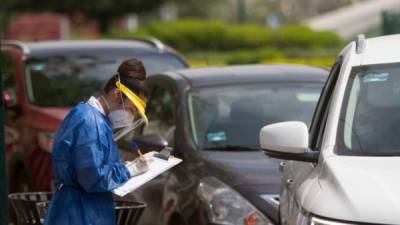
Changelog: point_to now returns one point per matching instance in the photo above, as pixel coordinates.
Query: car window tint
(370, 116)
(232, 116)
(160, 111)
(65, 80)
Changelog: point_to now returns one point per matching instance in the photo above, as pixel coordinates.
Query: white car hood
(359, 189)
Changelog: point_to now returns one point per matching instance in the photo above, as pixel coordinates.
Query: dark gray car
(211, 117)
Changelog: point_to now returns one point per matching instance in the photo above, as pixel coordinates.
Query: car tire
(176, 220)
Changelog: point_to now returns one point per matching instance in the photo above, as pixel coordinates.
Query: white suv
(345, 169)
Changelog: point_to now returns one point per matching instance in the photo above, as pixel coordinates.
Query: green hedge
(250, 57)
(193, 35)
(304, 37)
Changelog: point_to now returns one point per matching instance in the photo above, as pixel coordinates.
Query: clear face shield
(129, 124)
(126, 130)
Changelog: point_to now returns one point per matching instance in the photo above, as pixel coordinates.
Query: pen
(136, 148)
(140, 153)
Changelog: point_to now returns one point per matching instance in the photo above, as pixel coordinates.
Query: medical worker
(86, 160)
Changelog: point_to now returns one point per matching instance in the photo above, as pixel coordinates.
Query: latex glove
(137, 166)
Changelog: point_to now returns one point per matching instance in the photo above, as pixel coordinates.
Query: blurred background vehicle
(343, 167)
(43, 80)
(211, 117)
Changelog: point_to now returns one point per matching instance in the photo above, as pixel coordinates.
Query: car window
(230, 117)
(156, 63)
(65, 80)
(370, 116)
(161, 114)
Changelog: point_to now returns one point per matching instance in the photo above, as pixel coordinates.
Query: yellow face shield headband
(136, 100)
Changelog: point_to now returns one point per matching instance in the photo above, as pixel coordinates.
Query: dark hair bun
(132, 68)
(132, 74)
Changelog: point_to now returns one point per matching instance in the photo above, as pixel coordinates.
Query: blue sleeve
(95, 156)
(93, 171)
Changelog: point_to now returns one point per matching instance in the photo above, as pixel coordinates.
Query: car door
(19, 168)
(161, 113)
(10, 100)
(295, 173)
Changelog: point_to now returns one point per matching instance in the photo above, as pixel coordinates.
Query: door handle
(289, 182)
(282, 166)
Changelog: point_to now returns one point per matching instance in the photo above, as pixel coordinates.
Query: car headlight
(225, 206)
(319, 221)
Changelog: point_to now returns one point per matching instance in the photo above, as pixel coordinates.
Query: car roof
(384, 49)
(217, 76)
(48, 47)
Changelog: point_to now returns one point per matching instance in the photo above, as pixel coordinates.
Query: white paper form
(156, 167)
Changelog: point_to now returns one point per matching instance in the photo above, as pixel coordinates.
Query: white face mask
(120, 118)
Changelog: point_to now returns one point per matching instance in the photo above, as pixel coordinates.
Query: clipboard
(156, 167)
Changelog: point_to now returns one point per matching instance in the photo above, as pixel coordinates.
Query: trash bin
(25, 206)
(31, 208)
(128, 212)
(42, 209)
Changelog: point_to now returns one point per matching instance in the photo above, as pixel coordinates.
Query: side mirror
(151, 142)
(287, 140)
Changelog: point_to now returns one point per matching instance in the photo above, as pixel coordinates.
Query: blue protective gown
(87, 166)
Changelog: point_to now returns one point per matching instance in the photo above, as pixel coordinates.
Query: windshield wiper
(232, 148)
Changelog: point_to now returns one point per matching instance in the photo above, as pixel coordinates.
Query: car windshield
(65, 80)
(370, 117)
(230, 117)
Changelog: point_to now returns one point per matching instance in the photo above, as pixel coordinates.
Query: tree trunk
(4, 23)
(104, 24)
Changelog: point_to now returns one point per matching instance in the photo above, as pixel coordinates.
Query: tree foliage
(103, 11)
(200, 8)
(195, 35)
